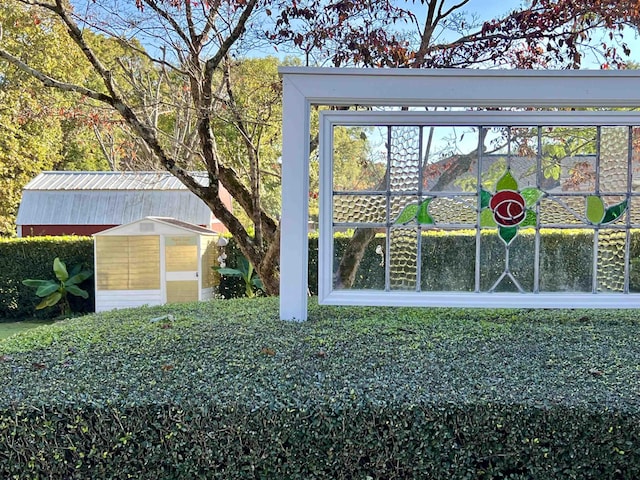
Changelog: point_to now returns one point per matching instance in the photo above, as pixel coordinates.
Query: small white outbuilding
(153, 261)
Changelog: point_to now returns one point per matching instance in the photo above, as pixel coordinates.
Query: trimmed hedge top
(238, 352)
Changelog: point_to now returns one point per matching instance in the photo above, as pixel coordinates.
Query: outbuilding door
(181, 268)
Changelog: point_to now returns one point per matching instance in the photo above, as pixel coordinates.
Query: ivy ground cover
(226, 390)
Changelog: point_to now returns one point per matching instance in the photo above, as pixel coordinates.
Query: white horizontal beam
(452, 87)
(476, 118)
(374, 298)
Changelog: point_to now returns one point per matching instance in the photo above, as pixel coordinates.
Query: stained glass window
(483, 204)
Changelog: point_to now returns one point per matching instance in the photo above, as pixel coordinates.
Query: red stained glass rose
(509, 208)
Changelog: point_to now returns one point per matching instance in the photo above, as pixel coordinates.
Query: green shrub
(31, 257)
(444, 257)
(225, 390)
(56, 292)
(448, 265)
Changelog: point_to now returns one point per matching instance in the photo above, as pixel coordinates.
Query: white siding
(113, 299)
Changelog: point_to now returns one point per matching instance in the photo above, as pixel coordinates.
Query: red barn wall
(57, 230)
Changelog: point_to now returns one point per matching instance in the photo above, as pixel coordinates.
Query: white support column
(294, 239)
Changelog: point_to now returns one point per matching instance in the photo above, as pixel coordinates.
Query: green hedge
(566, 265)
(32, 257)
(448, 261)
(227, 391)
(371, 441)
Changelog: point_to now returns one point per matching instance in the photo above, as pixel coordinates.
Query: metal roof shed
(84, 203)
(154, 261)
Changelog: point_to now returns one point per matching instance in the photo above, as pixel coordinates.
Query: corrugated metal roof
(109, 181)
(109, 207)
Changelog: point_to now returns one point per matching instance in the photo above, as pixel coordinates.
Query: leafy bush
(31, 257)
(225, 390)
(246, 272)
(56, 292)
(566, 261)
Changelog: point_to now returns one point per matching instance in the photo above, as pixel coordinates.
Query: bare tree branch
(51, 82)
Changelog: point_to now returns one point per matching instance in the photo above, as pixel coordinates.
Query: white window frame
(303, 87)
(328, 296)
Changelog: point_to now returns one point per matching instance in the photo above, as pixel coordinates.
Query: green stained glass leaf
(613, 213)
(531, 195)
(408, 214)
(423, 216)
(486, 218)
(507, 182)
(485, 198)
(595, 209)
(530, 220)
(507, 234)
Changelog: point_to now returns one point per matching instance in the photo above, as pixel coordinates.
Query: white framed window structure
(492, 236)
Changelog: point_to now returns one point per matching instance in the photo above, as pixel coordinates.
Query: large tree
(193, 44)
(448, 33)
(442, 33)
(49, 129)
(41, 128)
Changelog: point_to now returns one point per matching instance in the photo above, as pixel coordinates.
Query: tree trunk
(352, 257)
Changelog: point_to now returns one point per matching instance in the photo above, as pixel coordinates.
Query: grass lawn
(10, 328)
(355, 392)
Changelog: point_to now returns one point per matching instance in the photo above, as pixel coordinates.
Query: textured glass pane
(399, 205)
(359, 208)
(359, 159)
(128, 263)
(635, 160)
(569, 159)
(405, 159)
(502, 272)
(454, 210)
(615, 209)
(566, 260)
(634, 267)
(209, 261)
(611, 258)
(433, 185)
(614, 153)
(513, 150)
(448, 261)
(563, 210)
(450, 156)
(370, 273)
(403, 262)
(634, 210)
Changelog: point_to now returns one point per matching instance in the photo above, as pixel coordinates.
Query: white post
(294, 239)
